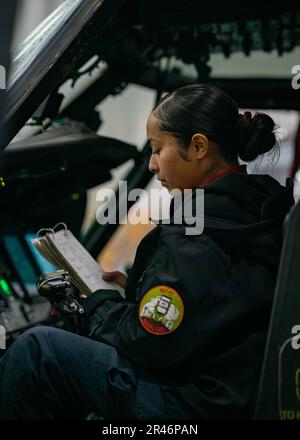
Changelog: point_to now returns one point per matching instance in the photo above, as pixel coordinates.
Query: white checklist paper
(62, 249)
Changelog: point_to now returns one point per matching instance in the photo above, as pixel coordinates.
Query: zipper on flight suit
(138, 285)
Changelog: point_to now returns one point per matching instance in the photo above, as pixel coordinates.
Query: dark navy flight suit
(188, 339)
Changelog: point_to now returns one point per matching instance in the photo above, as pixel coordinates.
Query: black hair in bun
(255, 135)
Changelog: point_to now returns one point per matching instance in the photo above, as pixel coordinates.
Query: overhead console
(44, 179)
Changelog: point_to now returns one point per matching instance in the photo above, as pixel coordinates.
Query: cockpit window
(36, 41)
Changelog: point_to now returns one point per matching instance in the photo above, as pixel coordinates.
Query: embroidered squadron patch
(161, 310)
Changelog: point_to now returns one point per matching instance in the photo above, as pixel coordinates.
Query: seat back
(279, 390)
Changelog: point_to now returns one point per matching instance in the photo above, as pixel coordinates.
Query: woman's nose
(153, 166)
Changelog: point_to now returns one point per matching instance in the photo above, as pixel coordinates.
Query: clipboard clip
(56, 227)
(44, 231)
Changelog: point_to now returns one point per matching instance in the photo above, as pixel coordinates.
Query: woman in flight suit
(188, 339)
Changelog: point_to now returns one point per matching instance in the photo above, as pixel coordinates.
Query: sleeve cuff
(96, 299)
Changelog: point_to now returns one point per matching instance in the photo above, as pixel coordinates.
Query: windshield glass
(36, 41)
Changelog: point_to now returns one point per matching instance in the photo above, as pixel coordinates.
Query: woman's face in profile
(166, 162)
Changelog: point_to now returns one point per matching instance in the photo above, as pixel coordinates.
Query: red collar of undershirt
(236, 169)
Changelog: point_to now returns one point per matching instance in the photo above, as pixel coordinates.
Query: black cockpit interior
(44, 177)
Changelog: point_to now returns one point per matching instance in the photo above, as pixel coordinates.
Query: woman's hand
(116, 276)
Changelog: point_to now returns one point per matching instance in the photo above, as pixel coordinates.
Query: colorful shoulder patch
(161, 310)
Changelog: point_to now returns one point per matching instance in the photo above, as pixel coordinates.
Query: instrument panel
(20, 305)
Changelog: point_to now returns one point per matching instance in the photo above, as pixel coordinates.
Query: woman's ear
(199, 144)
